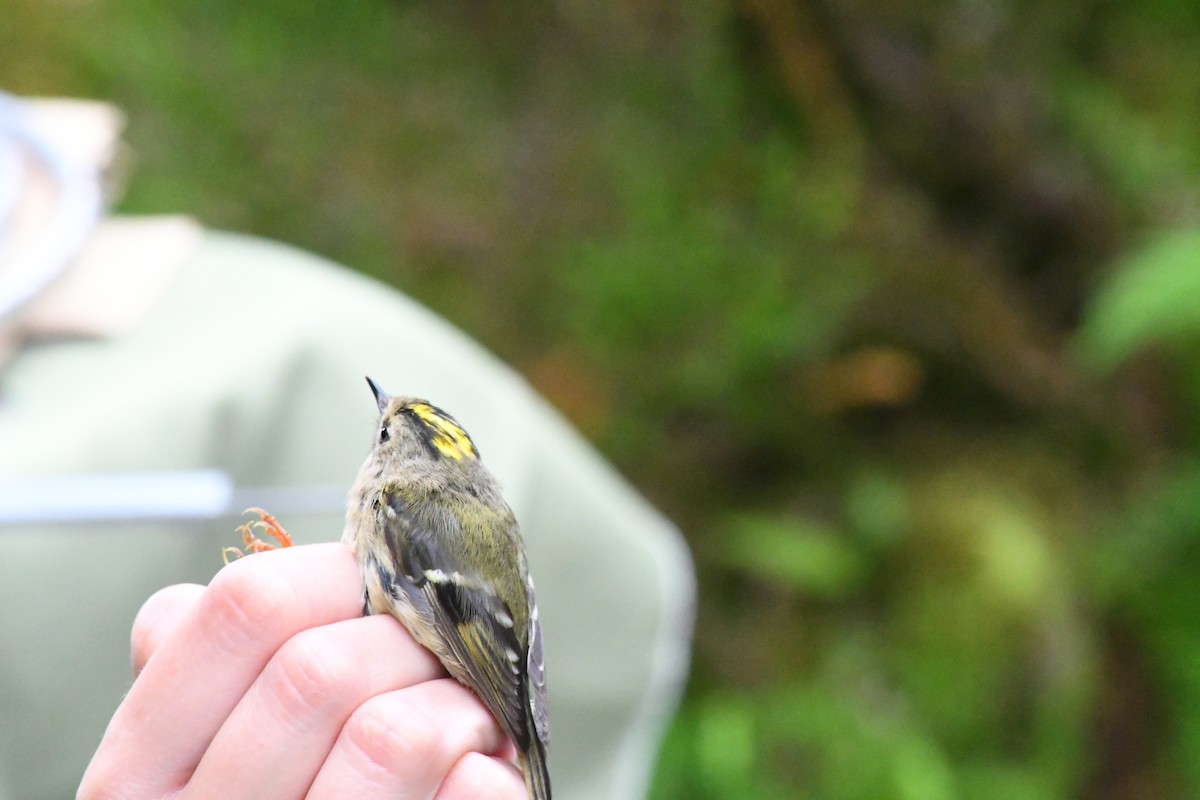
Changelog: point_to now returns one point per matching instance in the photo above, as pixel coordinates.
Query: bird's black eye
(384, 434)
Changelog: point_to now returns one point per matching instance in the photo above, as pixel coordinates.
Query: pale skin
(268, 683)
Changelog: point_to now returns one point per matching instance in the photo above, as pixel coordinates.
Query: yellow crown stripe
(448, 438)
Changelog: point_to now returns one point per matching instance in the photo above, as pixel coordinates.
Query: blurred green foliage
(894, 307)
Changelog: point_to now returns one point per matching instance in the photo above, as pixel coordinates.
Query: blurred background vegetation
(893, 307)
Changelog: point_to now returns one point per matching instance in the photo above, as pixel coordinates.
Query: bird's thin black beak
(382, 398)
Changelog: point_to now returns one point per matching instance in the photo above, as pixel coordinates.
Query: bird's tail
(533, 767)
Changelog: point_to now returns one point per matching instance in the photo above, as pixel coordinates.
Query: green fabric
(253, 364)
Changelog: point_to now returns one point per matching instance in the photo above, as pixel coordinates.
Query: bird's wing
(480, 646)
(536, 668)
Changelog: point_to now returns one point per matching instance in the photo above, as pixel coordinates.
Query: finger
(478, 776)
(300, 702)
(158, 617)
(403, 744)
(203, 668)
(507, 751)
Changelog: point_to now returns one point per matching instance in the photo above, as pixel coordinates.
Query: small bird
(440, 550)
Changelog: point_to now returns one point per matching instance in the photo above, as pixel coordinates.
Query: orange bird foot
(252, 543)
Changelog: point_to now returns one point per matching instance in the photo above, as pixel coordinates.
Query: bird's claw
(252, 543)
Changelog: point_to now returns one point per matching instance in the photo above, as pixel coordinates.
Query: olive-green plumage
(440, 550)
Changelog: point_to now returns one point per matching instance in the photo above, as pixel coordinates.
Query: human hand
(268, 683)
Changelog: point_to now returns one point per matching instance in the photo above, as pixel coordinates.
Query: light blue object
(149, 496)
